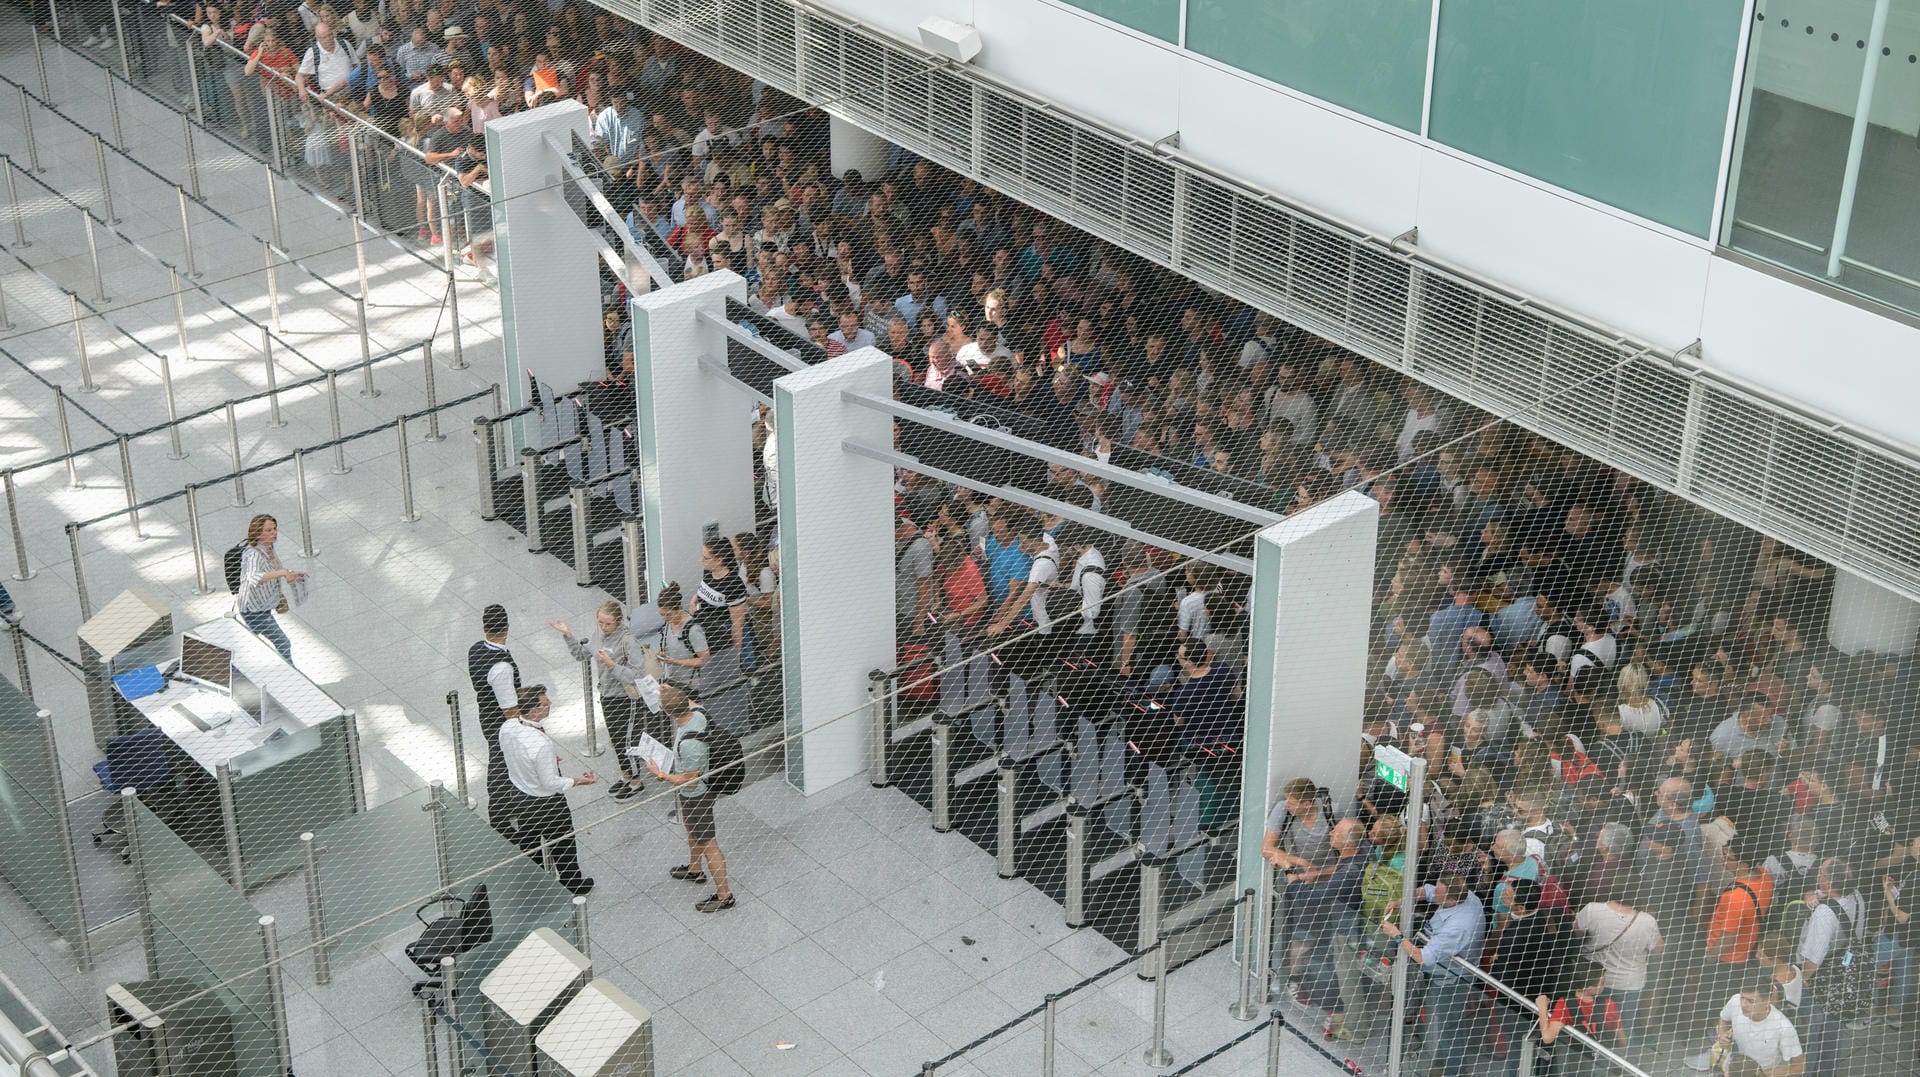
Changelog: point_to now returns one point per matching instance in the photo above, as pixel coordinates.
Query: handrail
(1579, 1037)
(385, 427)
(209, 207)
(18, 1051)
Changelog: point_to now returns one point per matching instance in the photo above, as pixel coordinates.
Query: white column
(852, 146)
(549, 271)
(836, 561)
(694, 427)
(1868, 617)
(1306, 659)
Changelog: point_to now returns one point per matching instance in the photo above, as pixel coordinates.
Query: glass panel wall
(1826, 153)
(1366, 55)
(1624, 101)
(1161, 18)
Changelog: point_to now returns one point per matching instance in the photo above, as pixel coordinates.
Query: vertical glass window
(1161, 18)
(1624, 101)
(1826, 160)
(1366, 55)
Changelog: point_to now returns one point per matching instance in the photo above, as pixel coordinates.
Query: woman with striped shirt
(261, 577)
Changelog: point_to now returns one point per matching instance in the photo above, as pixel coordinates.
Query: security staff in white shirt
(541, 816)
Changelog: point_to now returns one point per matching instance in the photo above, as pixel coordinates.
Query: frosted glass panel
(1624, 101)
(1366, 55)
(1161, 18)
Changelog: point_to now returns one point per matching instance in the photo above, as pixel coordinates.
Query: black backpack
(230, 564)
(1845, 988)
(726, 770)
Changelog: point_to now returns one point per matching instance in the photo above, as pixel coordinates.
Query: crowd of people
(1662, 808)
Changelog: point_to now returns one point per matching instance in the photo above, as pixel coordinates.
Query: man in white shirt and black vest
(496, 686)
(539, 789)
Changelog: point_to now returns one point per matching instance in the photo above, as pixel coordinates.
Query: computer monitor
(206, 663)
(247, 696)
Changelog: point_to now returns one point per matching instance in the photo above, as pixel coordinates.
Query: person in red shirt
(963, 591)
(1586, 1009)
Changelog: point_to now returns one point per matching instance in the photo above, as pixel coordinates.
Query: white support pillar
(549, 271)
(836, 561)
(1868, 617)
(694, 427)
(851, 146)
(1306, 659)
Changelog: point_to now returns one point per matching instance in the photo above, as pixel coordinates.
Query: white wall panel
(1068, 57)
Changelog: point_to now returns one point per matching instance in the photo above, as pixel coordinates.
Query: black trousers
(544, 819)
(623, 727)
(501, 795)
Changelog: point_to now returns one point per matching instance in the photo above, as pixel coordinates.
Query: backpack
(230, 566)
(726, 771)
(1553, 893)
(1380, 884)
(1557, 840)
(1846, 983)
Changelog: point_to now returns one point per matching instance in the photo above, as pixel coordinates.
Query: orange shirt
(1738, 915)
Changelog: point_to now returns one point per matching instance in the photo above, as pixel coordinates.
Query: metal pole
(273, 279)
(126, 481)
(66, 437)
(406, 472)
(459, 746)
(113, 109)
(26, 132)
(582, 940)
(273, 209)
(186, 234)
(356, 773)
(430, 1031)
(1416, 804)
(630, 557)
(1244, 1008)
(582, 552)
(433, 397)
(359, 251)
(193, 80)
(79, 571)
(273, 378)
(143, 896)
(1153, 894)
(193, 159)
(333, 414)
(93, 251)
(436, 806)
(179, 313)
(1157, 1054)
(233, 447)
(80, 335)
(1262, 941)
(106, 186)
(1857, 140)
(57, 797)
(230, 826)
(453, 290)
(485, 457)
(193, 534)
(273, 164)
(176, 452)
(22, 570)
(13, 199)
(40, 64)
(359, 194)
(276, 994)
(5, 321)
(18, 639)
(53, 17)
(316, 911)
(300, 493)
(450, 995)
(530, 496)
(1006, 820)
(120, 39)
(593, 722)
(1274, 1025)
(941, 793)
(366, 349)
(1076, 881)
(1049, 1033)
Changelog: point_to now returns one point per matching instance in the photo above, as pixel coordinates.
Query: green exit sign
(1391, 765)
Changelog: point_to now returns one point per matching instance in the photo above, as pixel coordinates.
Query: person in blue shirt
(1006, 562)
(1523, 621)
(1457, 928)
(1205, 705)
(617, 130)
(366, 74)
(647, 214)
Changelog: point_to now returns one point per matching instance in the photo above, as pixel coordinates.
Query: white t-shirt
(1194, 620)
(1619, 942)
(1770, 1042)
(327, 69)
(1821, 937)
(1602, 651)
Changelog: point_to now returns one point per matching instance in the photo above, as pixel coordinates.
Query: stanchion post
(582, 541)
(359, 189)
(459, 736)
(356, 766)
(120, 40)
(26, 132)
(186, 233)
(276, 994)
(359, 250)
(230, 826)
(1049, 1033)
(179, 314)
(1245, 1008)
(273, 280)
(433, 396)
(582, 940)
(66, 437)
(40, 64)
(22, 571)
(79, 571)
(113, 108)
(233, 447)
(273, 378)
(593, 721)
(632, 553)
(366, 349)
(879, 731)
(486, 460)
(1274, 1025)
(273, 204)
(1156, 1053)
(142, 892)
(333, 417)
(189, 47)
(193, 159)
(126, 481)
(106, 184)
(430, 1035)
(450, 995)
(436, 806)
(17, 641)
(274, 138)
(57, 797)
(13, 199)
(453, 290)
(300, 493)
(93, 252)
(80, 342)
(530, 497)
(406, 472)
(6, 322)
(175, 450)
(194, 536)
(316, 910)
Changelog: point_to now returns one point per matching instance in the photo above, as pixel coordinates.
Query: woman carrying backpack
(260, 592)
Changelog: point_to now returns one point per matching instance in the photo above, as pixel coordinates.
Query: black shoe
(582, 888)
(714, 903)
(623, 790)
(681, 871)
